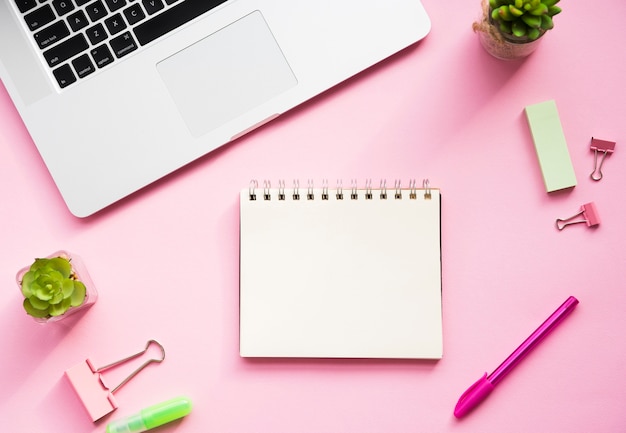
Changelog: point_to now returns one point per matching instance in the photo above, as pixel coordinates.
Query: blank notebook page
(356, 277)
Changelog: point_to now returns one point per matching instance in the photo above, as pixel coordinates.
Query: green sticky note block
(554, 159)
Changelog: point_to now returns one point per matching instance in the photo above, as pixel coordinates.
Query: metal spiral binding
(309, 193)
(325, 189)
(383, 189)
(281, 190)
(368, 189)
(427, 191)
(354, 194)
(252, 189)
(339, 190)
(398, 186)
(267, 186)
(412, 189)
(339, 193)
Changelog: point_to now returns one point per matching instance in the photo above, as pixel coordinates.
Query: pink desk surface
(165, 261)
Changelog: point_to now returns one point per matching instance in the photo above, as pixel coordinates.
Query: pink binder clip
(588, 213)
(92, 390)
(605, 147)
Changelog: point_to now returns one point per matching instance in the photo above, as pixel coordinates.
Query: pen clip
(474, 395)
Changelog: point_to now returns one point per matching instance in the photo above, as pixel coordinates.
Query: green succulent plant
(50, 288)
(526, 19)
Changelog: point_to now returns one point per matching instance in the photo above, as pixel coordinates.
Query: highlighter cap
(165, 412)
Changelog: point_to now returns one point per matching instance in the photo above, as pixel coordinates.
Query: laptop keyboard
(78, 37)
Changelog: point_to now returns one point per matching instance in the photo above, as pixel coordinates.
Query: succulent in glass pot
(55, 286)
(511, 29)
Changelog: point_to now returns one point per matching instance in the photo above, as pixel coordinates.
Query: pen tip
(473, 396)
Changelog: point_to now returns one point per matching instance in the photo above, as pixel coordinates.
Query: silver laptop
(118, 93)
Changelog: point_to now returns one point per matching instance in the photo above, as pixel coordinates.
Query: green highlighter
(152, 416)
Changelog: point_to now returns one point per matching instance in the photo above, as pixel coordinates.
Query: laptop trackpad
(226, 74)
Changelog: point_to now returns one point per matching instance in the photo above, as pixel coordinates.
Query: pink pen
(483, 387)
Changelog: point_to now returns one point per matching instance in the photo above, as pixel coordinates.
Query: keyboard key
(65, 50)
(96, 10)
(64, 75)
(63, 7)
(78, 20)
(172, 18)
(152, 6)
(123, 44)
(81, 2)
(102, 55)
(115, 4)
(39, 17)
(134, 14)
(52, 34)
(83, 66)
(26, 5)
(115, 24)
(96, 34)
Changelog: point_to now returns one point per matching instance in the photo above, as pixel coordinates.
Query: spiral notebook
(340, 272)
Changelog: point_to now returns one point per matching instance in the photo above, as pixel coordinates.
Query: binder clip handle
(141, 367)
